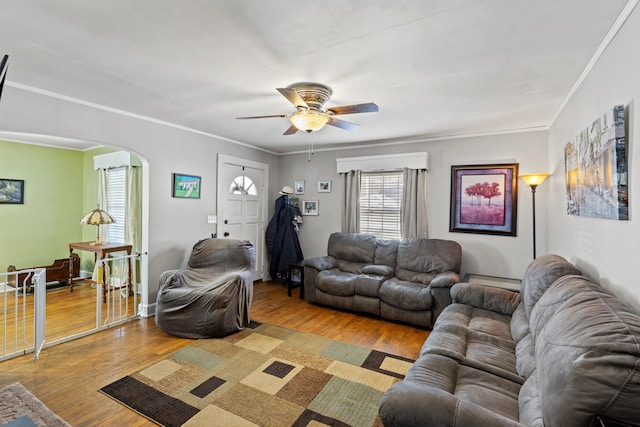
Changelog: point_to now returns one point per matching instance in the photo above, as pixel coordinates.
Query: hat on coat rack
(287, 190)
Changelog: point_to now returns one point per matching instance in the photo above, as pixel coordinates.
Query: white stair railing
(22, 322)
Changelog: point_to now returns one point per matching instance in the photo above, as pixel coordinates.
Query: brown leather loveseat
(403, 280)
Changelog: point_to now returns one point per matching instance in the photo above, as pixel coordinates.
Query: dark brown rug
(265, 375)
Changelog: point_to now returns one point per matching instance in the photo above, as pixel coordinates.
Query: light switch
(212, 219)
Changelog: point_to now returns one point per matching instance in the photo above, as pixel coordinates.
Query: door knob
(226, 221)
(226, 234)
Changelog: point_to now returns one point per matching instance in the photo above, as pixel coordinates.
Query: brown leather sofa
(563, 352)
(405, 280)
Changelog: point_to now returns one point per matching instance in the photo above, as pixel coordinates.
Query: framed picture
(309, 207)
(298, 187)
(186, 186)
(324, 186)
(11, 191)
(484, 199)
(596, 169)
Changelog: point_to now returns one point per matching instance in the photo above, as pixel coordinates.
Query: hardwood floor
(67, 313)
(68, 376)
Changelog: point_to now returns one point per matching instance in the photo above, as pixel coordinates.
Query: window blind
(380, 204)
(116, 203)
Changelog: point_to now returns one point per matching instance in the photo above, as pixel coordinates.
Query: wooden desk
(100, 250)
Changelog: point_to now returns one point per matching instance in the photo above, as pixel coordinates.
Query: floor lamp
(533, 180)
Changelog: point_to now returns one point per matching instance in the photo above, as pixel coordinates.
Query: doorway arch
(145, 308)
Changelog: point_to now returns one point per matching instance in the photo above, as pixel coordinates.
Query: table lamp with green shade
(97, 217)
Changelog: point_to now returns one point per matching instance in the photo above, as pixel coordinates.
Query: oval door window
(243, 185)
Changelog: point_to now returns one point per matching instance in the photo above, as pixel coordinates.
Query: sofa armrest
(312, 267)
(385, 271)
(409, 403)
(166, 279)
(446, 279)
(321, 263)
(441, 292)
(479, 296)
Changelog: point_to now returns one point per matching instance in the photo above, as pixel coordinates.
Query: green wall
(60, 187)
(37, 232)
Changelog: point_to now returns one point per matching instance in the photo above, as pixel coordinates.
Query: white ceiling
(434, 67)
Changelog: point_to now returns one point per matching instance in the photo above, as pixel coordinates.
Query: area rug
(20, 407)
(265, 375)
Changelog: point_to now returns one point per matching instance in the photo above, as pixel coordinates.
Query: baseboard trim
(147, 310)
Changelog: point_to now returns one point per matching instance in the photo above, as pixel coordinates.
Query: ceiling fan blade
(342, 124)
(291, 130)
(369, 107)
(293, 97)
(263, 117)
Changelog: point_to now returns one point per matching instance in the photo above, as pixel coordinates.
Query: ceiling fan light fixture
(309, 121)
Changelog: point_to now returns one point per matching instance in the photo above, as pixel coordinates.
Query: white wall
(606, 250)
(174, 224)
(482, 254)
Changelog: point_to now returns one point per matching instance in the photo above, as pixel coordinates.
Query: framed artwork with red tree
(484, 199)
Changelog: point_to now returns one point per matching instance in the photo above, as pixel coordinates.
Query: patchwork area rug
(21, 408)
(266, 375)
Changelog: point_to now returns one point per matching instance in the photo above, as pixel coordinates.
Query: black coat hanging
(281, 238)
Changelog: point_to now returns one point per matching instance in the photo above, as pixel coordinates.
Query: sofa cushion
(353, 247)
(479, 296)
(336, 282)
(525, 356)
(386, 252)
(351, 267)
(519, 323)
(467, 384)
(406, 295)
(385, 271)
(540, 274)
(529, 403)
(420, 260)
(475, 337)
(367, 285)
(587, 354)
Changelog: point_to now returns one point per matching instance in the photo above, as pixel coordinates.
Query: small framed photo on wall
(324, 186)
(185, 186)
(309, 207)
(298, 187)
(11, 191)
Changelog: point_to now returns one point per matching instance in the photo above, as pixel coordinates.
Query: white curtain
(102, 204)
(102, 195)
(351, 202)
(414, 203)
(133, 210)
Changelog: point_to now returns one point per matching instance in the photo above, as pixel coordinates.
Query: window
(380, 204)
(243, 185)
(116, 203)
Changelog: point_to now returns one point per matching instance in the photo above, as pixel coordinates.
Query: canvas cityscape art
(596, 169)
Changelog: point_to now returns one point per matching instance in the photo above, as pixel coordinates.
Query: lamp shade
(97, 217)
(534, 178)
(309, 121)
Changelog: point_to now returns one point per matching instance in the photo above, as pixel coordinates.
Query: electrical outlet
(212, 219)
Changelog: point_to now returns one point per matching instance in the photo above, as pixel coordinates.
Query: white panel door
(241, 202)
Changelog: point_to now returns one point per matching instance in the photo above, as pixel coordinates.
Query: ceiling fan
(310, 115)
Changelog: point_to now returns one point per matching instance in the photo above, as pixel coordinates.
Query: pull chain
(310, 148)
